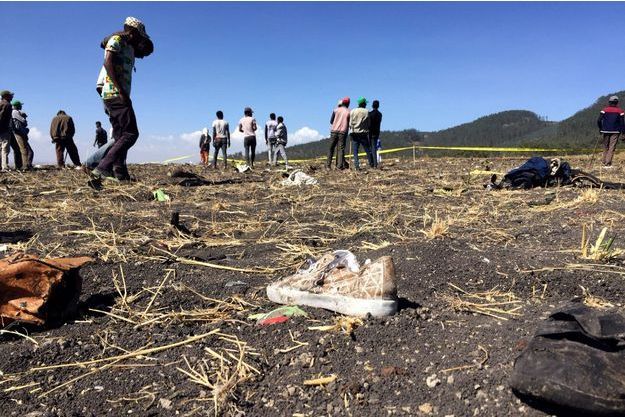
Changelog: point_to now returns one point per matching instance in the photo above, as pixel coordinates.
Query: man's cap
(6, 93)
(16, 103)
(613, 98)
(362, 100)
(133, 22)
(345, 100)
(248, 109)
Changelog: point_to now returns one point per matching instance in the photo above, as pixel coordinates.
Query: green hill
(504, 128)
(577, 131)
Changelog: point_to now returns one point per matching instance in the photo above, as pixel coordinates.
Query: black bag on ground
(575, 364)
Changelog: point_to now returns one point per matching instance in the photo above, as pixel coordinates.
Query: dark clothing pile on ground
(541, 172)
(573, 365)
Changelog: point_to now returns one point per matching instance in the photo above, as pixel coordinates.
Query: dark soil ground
(152, 285)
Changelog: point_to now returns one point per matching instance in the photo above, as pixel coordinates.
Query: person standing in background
(100, 135)
(221, 138)
(281, 141)
(270, 136)
(20, 133)
(247, 126)
(359, 125)
(62, 132)
(339, 122)
(375, 122)
(6, 111)
(611, 124)
(205, 145)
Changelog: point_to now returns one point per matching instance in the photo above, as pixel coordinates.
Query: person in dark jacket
(6, 110)
(100, 136)
(611, 124)
(62, 132)
(375, 121)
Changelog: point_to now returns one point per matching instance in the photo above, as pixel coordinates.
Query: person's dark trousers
(220, 145)
(250, 150)
(337, 138)
(357, 140)
(122, 117)
(17, 153)
(373, 140)
(609, 145)
(66, 144)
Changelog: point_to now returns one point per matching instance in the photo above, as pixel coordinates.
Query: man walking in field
(375, 122)
(359, 125)
(270, 136)
(611, 124)
(339, 122)
(6, 111)
(62, 132)
(221, 138)
(119, 60)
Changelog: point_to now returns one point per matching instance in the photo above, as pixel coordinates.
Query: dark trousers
(220, 145)
(17, 153)
(250, 150)
(66, 144)
(125, 130)
(609, 145)
(373, 141)
(337, 138)
(357, 140)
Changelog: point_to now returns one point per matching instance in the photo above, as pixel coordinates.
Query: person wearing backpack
(120, 51)
(611, 124)
(20, 133)
(281, 141)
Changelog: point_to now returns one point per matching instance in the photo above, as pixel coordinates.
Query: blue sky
(432, 65)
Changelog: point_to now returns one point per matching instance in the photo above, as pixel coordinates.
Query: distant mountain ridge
(510, 128)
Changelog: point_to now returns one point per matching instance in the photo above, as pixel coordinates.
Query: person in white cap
(113, 85)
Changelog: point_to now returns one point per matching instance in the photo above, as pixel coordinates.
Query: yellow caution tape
(438, 148)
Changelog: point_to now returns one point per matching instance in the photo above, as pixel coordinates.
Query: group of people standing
(276, 138)
(14, 134)
(365, 131)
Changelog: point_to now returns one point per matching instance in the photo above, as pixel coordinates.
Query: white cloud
(36, 134)
(304, 135)
(192, 137)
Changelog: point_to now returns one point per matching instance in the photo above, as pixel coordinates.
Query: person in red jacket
(611, 124)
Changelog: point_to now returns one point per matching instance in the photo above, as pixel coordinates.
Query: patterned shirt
(123, 62)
